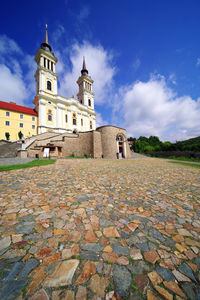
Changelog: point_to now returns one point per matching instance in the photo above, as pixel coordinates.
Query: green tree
(7, 135)
(149, 148)
(143, 139)
(154, 140)
(166, 146)
(139, 146)
(20, 135)
(131, 139)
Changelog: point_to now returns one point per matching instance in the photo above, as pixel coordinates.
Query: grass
(185, 164)
(183, 158)
(31, 164)
(74, 156)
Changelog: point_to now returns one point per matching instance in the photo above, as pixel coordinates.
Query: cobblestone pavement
(100, 229)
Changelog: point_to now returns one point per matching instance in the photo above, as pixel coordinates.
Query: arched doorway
(121, 146)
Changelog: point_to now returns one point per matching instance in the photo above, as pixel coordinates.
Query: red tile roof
(18, 108)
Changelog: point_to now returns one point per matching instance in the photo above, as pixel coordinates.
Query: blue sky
(144, 57)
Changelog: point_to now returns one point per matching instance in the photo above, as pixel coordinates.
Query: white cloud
(31, 66)
(172, 78)
(198, 61)
(58, 32)
(12, 87)
(16, 72)
(8, 46)
(99, 65)
(99, 120)
(83, 14)
(152, 108)
(60, 66)
(136, 64)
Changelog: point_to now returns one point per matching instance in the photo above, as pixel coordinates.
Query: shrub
(20, 135)
(7, 135)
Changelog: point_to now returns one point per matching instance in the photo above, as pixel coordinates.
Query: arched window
(50, 115)
(89, 102)
(120, 138)
(74, 119)
(49, 85)
(90, 124)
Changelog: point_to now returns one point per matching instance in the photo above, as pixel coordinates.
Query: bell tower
(46, 84)
(85, 94)
(45, 75)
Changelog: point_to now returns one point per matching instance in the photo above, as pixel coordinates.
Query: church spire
(84, 71)
(46, 36)
(45, 45)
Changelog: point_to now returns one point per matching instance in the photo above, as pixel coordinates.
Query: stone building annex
(60, 126)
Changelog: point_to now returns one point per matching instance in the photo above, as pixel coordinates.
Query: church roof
(18, 108)
(84, 70)
(45, 45)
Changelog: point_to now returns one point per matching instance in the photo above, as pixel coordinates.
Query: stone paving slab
(100, 229)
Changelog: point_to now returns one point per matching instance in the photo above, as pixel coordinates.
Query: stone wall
(97, 144)
(109, 143)
(78, 145)
(9, 149)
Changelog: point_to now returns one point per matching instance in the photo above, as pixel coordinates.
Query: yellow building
(15, 118)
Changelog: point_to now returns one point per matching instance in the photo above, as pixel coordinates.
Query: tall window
(33, 118)
(89, 102)
(81, 122)
(49, 85)
(90, 124)
(7, 114)
(21, 116)
(7, 123)
(21, 125)
(50, 115)
(33, 126)
(52, 66)
(74, 119)
(48, 63)
(66, 119)
(44, 62)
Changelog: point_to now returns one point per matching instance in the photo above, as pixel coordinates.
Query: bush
(20, 135)
(7, 135)
(188, 154)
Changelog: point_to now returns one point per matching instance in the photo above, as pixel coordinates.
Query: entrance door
(59, 151)
(121, 150)
(46, 153)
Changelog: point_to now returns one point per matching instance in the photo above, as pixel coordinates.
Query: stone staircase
(9, 149)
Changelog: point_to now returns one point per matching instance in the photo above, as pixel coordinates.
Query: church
(60, 126)
(57, 113)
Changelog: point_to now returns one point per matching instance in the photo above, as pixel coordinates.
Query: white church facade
(63, 126)
(57, 113)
